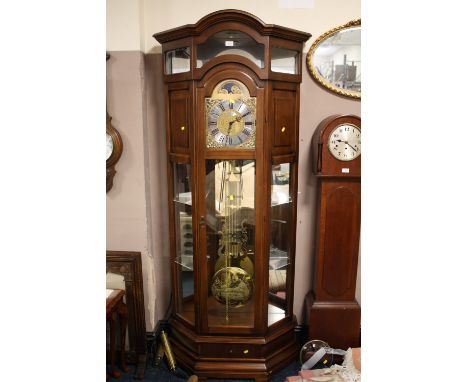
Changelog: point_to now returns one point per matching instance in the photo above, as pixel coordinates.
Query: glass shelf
(280, 196)
(278, 259)
(185, 261)
(184, 198)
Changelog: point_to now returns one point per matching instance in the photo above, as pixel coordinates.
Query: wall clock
(232, 102)
(333, 313)
(114, 147)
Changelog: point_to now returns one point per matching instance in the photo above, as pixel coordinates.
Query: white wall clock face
(109, 146)
(344, 142)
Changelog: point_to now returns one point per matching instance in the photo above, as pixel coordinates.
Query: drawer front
(230, 350)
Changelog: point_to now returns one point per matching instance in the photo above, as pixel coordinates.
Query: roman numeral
(215, 131)
(246, 132)
(249, 123)
(221, 106)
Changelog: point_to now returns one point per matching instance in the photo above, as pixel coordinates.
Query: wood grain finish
(339, 233)
(115, 307)
(128, 264)
(179, 111)
(256, 345)
(337, 322)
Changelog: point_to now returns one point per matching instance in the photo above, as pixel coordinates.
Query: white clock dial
(109, 146)
(344, 143)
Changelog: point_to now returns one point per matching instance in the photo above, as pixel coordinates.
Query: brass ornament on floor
(168, 351)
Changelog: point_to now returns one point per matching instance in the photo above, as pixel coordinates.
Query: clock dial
(344, 143)
(231, 123)
(109, 146)
(230, 116)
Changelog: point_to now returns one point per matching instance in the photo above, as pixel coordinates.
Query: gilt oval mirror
(334, 59)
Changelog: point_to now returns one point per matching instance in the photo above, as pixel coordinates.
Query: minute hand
(351, 146)
(346, 142)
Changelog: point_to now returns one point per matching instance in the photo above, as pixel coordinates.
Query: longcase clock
(232, 112)
(333, 313)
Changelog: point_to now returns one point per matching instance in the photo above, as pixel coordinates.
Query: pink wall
(137, 205)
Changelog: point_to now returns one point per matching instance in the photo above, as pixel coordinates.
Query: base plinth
(335, 322)
(233, 357)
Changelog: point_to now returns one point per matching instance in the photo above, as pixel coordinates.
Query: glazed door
(231, 178)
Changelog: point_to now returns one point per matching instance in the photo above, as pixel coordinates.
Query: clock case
(116, 149)
(332, 312)
(233, 351)
(324, 163)
(116, 152)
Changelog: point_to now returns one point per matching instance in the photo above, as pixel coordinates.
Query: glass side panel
(230, 242)
(279, 257)
(177, 60)
(284, 60)
(231, 42)
(184, 240)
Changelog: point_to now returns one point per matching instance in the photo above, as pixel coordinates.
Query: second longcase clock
(333, 313)
(232, 101)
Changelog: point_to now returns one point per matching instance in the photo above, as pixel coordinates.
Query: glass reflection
(230, 42)
(230, 229)
(337, 59)
(281, 212)
(184, 240)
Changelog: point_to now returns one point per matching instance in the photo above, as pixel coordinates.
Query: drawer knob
(182, 128)
(283, 129)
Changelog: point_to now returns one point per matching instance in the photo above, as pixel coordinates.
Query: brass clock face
(231, 123)
(344, 142)
(109, 146)
(230, 117)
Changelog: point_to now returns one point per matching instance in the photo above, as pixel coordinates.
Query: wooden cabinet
(232, 101)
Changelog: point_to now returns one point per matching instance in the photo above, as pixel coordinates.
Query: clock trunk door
(229, 223)
(230, 239)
